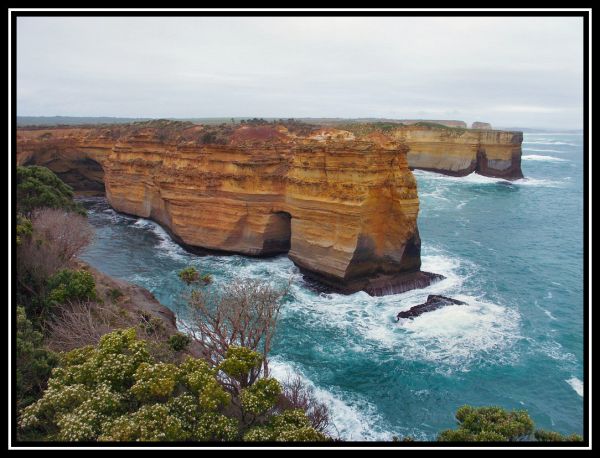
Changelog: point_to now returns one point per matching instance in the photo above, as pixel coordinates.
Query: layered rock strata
(341, 202)
(481, 125)
(459, 152)
(343, 206)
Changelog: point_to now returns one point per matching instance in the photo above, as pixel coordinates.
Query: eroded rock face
(342, 202)
(345, 206)
(481, 125)
(459, 152)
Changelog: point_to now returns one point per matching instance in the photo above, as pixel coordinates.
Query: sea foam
(576, 384)
(537, 157)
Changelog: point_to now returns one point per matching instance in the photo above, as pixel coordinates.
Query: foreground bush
(33, 362)
(71, 285)
(118, 392)
(39, 187)
(495, 424)
(47, 242)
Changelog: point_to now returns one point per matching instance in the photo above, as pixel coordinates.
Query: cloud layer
(508, 71)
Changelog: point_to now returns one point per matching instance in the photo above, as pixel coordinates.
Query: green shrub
(179, 341)
(189, 275)
(24, 229)
(71, 285)
(495, 424)
(33, 364)
(114, 294)
(39, 187)
(117, 392)
(151, 324)
(551, 436)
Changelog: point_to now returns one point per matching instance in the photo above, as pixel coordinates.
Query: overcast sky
(524, 72)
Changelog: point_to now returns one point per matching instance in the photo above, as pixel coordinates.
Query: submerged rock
(433, 302)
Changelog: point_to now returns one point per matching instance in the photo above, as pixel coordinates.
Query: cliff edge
(342, 202)
(343, 206)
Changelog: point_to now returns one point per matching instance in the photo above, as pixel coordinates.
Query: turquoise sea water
(513, 252)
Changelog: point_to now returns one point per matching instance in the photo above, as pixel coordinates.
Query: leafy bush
(71, 285)
(114, 294)
(189, 275)
(552, 436)
(33, 364)
(24, 229)
(117, 392)
(50, 244)
(495, 424)
(179, 341)
(39, 187)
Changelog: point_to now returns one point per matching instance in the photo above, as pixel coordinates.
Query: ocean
(512, 251)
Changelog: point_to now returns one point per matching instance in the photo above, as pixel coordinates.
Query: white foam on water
(546, 312)
(435, 194)
(540, 150)
(538, 182)
(457, 336)
(166, 245)
(576, 384)
(353, 418)
(537, 157)
(453, 337)
(550, 143)
(554, 133)
(553, 350)
(472, 178)
(477, 179)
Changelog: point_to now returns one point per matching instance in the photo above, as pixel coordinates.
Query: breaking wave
(576, 384)
(536, 157)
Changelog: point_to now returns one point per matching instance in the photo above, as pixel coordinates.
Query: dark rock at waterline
(433, 302)
(380, 285)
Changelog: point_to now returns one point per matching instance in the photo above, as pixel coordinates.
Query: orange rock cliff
(341, 202)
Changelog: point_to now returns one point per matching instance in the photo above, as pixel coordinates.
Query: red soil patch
(257, 133)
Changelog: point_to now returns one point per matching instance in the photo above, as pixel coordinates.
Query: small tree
(245, 314)
(297, 395)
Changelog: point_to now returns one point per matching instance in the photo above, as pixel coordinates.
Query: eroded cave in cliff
(278, 233)
(83, 174)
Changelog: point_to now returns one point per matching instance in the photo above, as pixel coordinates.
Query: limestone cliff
(344, 206)
(459, 152)
(447, 147)
(341, 201)
(481, 125)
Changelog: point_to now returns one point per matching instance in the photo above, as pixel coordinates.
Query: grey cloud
(508, 71)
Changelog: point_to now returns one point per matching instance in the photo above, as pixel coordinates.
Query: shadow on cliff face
(84, 175)
(278, 234)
